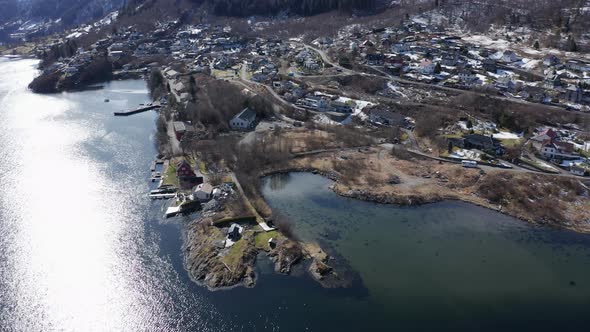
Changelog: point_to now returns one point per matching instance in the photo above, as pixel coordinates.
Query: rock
(288, 253)
(394, 180)
(319, 269)
(204, 258)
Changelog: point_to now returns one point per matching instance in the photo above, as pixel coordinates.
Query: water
(448, 265)
(82, 248)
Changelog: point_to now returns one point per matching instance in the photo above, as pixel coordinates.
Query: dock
(137, 110)
(162, 196)
(155, 163)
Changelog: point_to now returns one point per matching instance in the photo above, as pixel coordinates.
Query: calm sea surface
(82, 248)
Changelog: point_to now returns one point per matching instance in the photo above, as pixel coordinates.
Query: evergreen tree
(571, 44)
(437, 68)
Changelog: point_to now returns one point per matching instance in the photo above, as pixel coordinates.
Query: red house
(184, 170)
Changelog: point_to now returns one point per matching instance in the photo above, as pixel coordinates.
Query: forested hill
(69, 11)
(303, 7)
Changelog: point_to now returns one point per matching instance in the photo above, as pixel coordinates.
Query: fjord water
(83, 249)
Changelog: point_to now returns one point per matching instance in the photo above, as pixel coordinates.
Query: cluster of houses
(190, 178)
(430, 54)
(308, 61)
(294, 93)
(562, 148)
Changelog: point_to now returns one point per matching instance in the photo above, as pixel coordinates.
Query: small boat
(106, 100)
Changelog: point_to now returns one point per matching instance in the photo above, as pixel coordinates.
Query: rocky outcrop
(287, 253)
(404, 200)
(205, 258)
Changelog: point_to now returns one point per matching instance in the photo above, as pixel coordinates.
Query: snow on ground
(466, 154)
(482, 78)
(414, 57)
(507, 135)
(487, 41)
(396, 89)
(530, 64)
(74, 35)
(359, 105)
(502, 72)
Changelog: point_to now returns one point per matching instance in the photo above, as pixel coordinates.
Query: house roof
(179, 126)
(387, 115)
(579, 169)
(182, 163)
(247, 114)
(234, 227)
(548, 131)
(206, 188)
(564, 146)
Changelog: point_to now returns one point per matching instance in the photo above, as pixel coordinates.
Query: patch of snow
(507, 135)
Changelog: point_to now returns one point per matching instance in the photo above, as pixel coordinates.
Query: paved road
(174, 143)
(327, 59)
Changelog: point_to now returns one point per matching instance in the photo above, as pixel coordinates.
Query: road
(174, 143)
(259, 218)
(327, 59)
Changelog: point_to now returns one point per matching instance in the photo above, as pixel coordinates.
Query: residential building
(179, 129)
(315, 102)
(427, 67)
(340, 107)
(577, 170)
(234, 232)
(551, 60)
(204, 192)
(244, 120)
(484, 143)
(559, 150)
(467, 76)
(574, 94)
(184, 169)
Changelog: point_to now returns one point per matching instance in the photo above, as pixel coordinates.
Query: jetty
(140, 109)
(163, 196)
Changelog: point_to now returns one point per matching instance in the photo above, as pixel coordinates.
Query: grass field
(263, 237)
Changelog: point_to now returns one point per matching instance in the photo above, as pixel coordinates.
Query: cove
(449, 265)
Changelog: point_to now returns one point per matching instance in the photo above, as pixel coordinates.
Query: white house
(559, 150)
(509, 56)
(204, 192)
(467, 76)
(244, 120)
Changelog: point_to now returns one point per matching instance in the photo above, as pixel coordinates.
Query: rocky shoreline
(208, 265)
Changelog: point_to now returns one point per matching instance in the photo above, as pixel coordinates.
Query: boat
(106, 100)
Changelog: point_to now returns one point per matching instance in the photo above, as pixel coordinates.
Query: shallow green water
(448, 262)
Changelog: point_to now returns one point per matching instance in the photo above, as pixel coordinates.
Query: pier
(140, 109)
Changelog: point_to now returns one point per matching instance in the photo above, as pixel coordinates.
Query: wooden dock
(137, 110)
